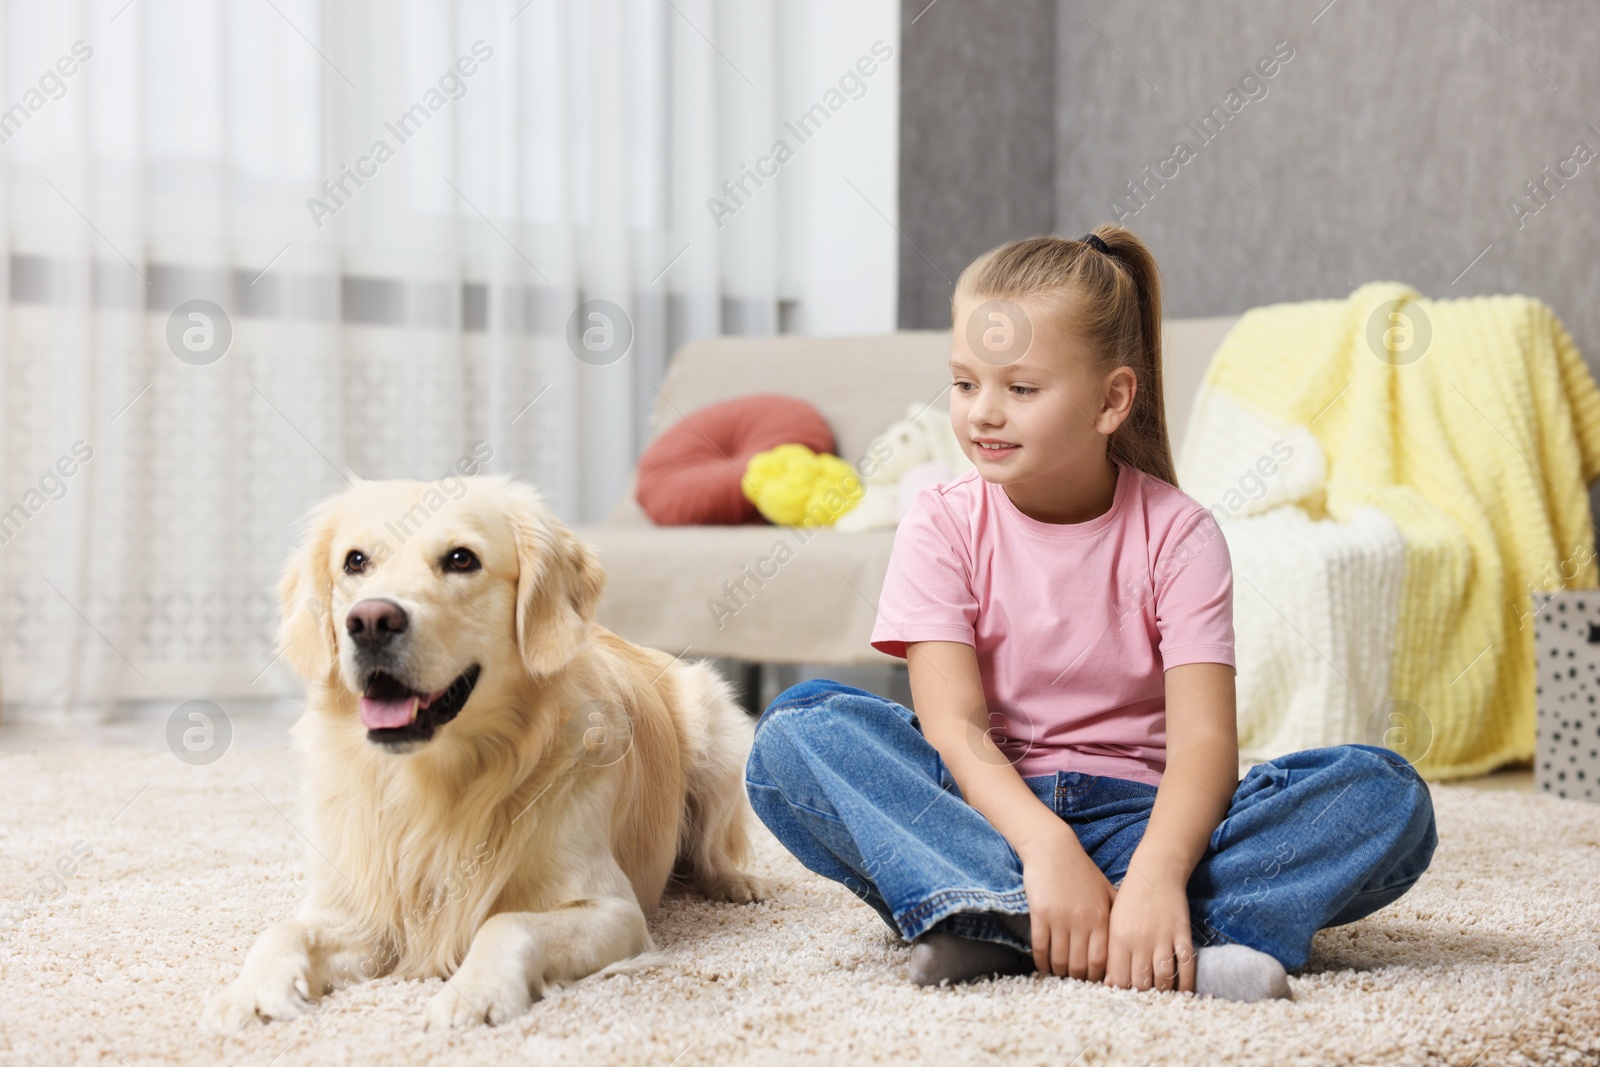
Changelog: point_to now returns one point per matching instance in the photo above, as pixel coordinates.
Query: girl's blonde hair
(1111, 299)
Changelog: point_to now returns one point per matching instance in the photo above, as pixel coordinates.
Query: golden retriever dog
(498, 789)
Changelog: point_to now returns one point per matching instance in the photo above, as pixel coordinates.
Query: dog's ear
(305, 591)
(559, 581)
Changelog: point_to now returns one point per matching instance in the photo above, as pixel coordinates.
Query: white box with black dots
(1566, 759)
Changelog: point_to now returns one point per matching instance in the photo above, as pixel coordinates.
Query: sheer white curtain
(397, 218)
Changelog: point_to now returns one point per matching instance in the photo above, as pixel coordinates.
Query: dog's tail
(645, 961)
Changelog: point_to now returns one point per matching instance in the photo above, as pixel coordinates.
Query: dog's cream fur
(525, 844)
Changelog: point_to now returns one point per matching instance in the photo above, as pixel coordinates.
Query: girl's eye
(461, 559)
(1021, 390)
(355, 562)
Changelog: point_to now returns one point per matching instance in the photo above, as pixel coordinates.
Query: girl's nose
(985, 413)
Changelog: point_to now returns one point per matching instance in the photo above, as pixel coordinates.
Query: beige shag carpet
(1490, 959)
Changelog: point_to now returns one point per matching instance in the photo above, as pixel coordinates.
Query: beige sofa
(783, 595)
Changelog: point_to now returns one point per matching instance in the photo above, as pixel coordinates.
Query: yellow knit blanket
(1474, 424)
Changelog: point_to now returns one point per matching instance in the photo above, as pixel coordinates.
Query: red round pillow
(689, 476)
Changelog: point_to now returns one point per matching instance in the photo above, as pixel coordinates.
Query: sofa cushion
(784, 594)
(689, 476)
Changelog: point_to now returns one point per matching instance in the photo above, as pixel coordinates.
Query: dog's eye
(355, 562)
(461, 559)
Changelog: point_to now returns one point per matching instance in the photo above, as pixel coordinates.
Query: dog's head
(413, 598)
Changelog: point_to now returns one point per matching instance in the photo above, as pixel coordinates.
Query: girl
(1066, 797)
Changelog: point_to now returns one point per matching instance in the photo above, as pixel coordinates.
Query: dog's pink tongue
(387, 714)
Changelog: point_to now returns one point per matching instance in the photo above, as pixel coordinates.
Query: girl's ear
(1122, 386)
(559, 581)
(305, 591)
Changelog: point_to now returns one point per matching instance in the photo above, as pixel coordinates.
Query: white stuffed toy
(915, 452)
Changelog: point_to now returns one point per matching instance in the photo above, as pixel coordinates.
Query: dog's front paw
(467, 1001)
(245, 1003)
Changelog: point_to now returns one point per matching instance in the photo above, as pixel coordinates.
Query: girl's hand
(1150, 942)
(1069, 907)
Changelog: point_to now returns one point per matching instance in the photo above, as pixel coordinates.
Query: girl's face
(1027, 410)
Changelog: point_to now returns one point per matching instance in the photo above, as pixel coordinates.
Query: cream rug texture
(1491, 959)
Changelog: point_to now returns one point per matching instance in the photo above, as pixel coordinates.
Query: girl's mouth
(996, 451)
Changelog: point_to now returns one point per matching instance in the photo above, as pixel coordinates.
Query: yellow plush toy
(793, 486)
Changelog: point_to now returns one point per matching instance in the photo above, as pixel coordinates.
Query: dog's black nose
(374, 623)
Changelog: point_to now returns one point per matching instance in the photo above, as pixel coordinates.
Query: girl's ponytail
(1142, 441)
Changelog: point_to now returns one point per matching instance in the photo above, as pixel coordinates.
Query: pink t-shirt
(1073, 623)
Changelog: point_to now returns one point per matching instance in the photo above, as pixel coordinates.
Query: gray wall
(977, 158)
(1386, 148)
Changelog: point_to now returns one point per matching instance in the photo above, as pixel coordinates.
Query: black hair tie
(1093, 240)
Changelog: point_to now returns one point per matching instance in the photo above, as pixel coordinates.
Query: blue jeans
(845, 779)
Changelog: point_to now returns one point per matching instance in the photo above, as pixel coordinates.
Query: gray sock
(938, 956)
(1238, 972)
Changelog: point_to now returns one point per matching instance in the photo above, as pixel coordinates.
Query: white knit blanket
(1315, 601)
